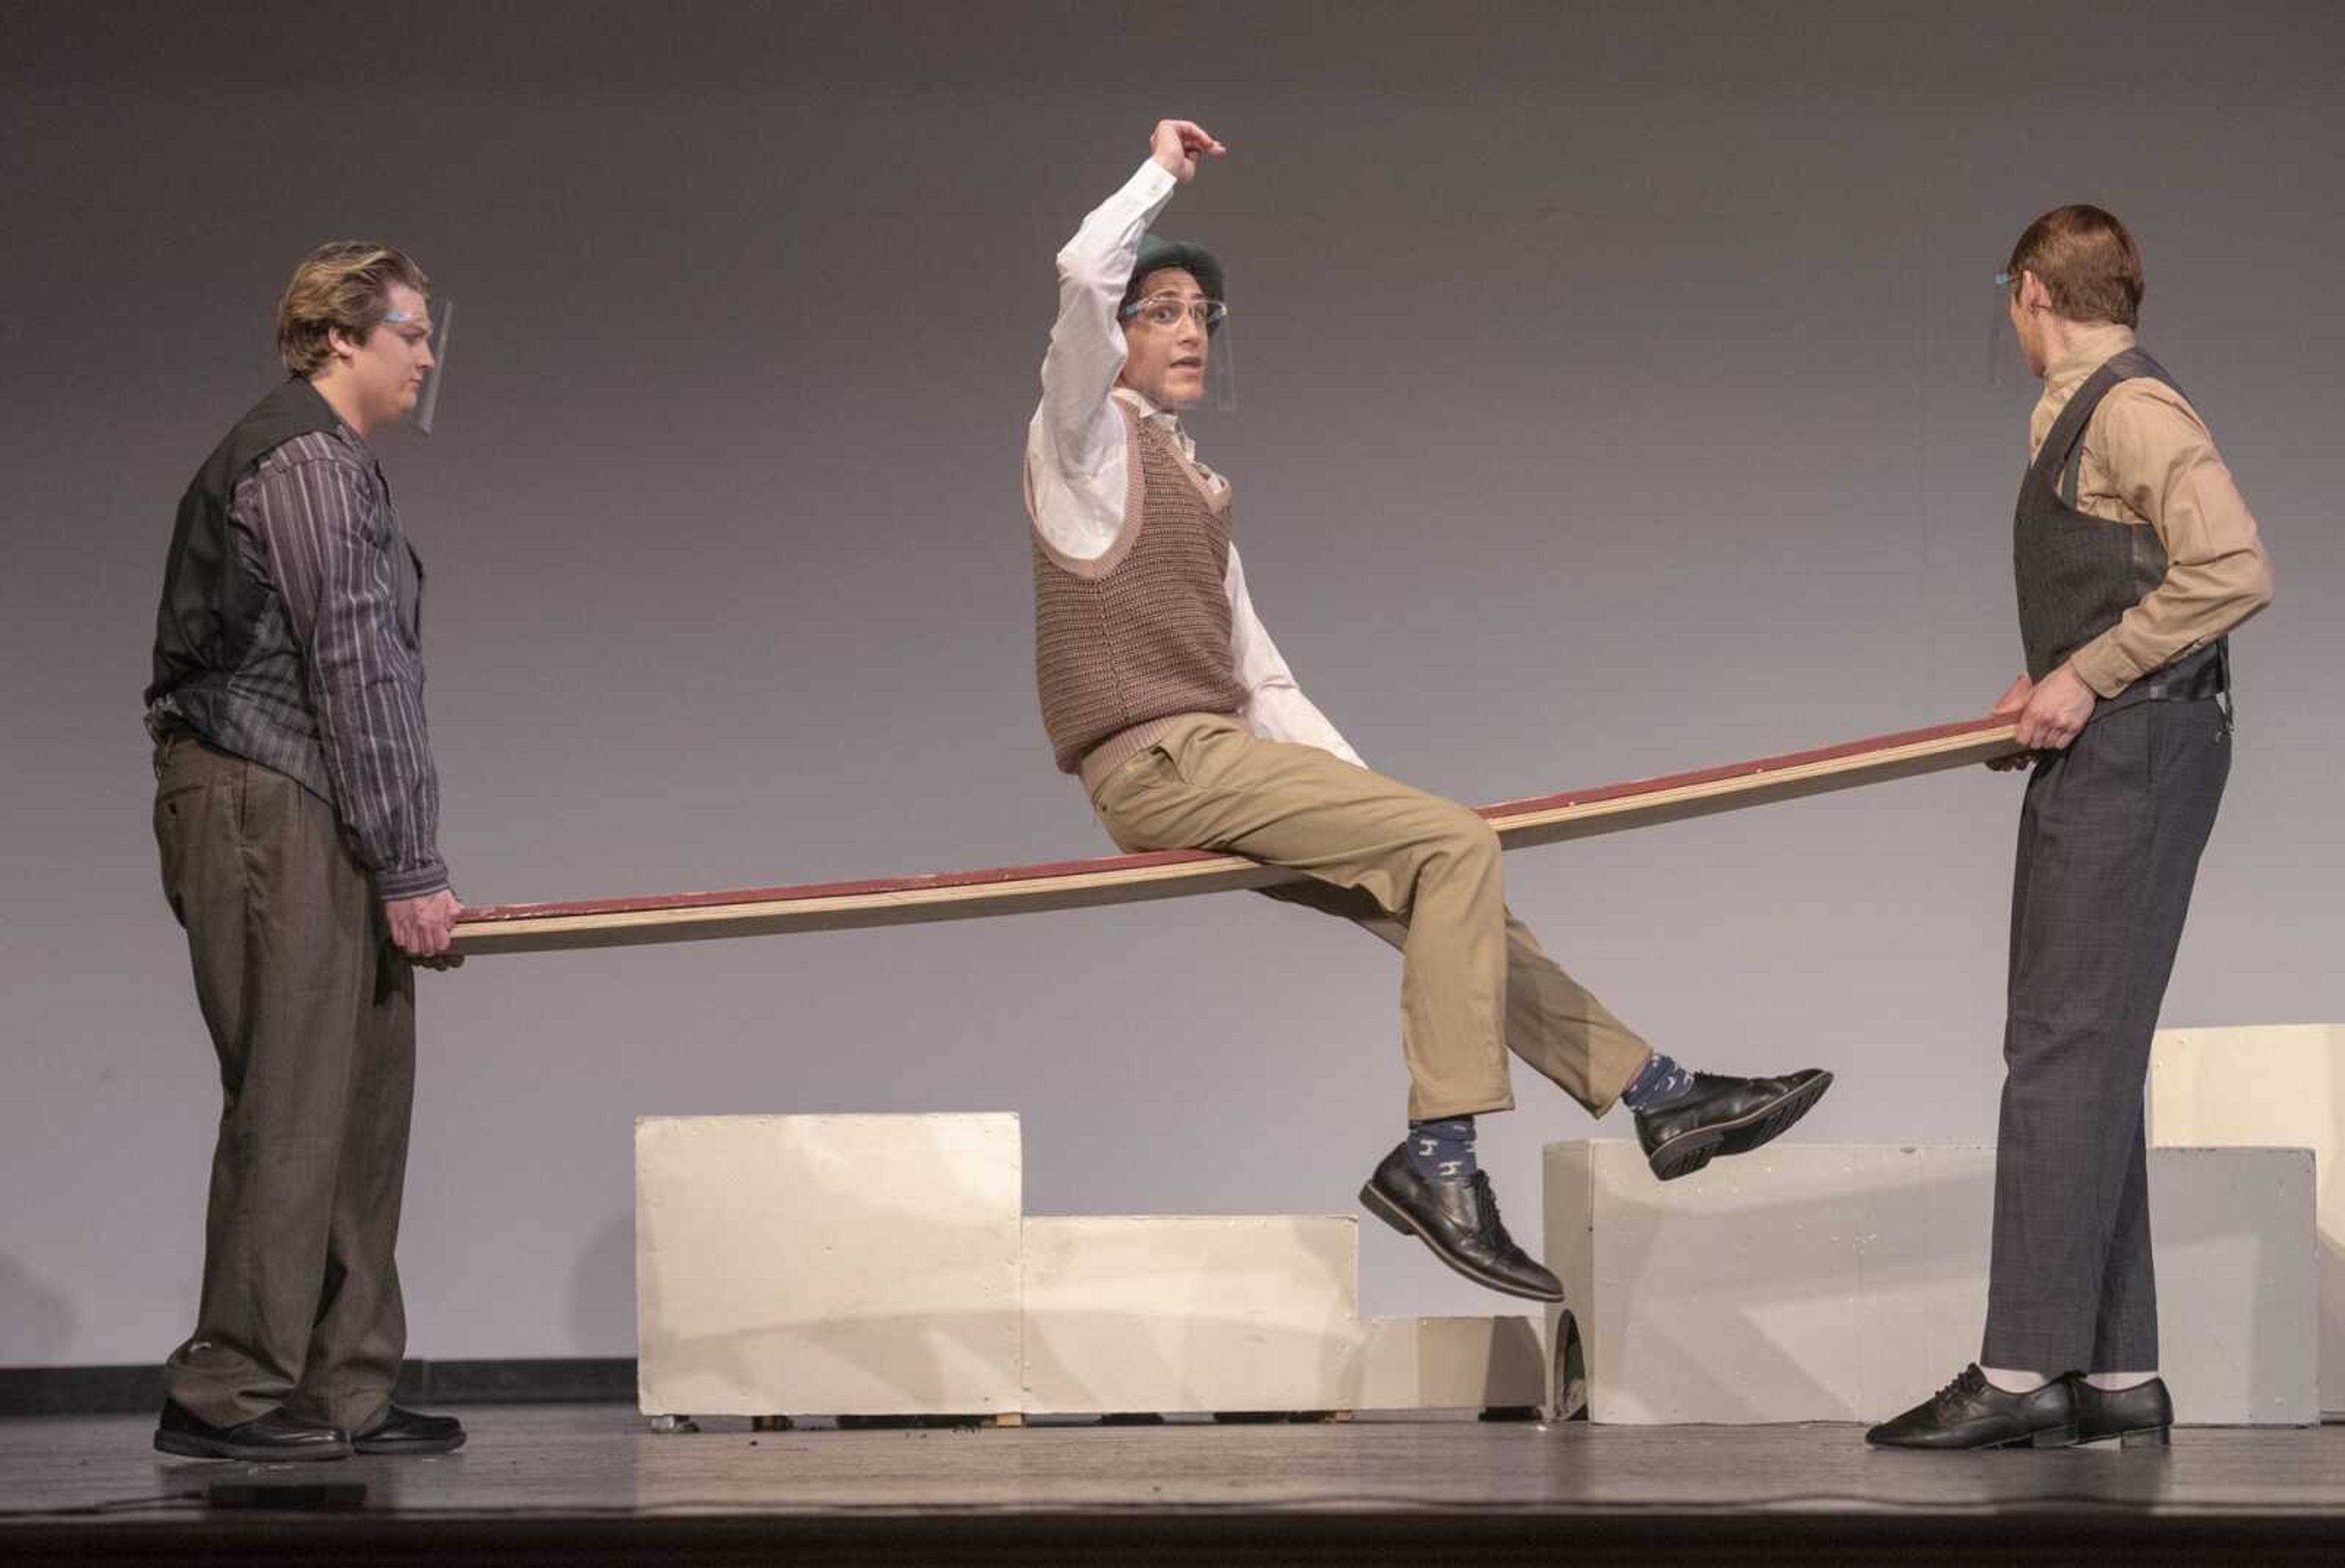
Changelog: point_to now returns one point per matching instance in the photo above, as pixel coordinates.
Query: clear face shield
(1220, 372)
(2005, 365)
(427, 396)
(1187, 387)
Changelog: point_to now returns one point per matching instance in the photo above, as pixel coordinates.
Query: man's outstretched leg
(1684, 1118)
(1421, 873)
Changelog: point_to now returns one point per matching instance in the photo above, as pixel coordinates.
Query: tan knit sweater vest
(1142, 633)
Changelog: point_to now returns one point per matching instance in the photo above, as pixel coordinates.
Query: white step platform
(861, 1264)
(880, 1265)
(1177, 1313)
(1448, 1363)
(1823, 1282)
(1186, 1313)
(2278, 1086)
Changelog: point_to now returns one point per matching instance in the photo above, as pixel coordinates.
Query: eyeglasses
(2005, 279)
(1166, 310)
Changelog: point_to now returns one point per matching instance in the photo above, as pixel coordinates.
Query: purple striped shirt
(349, 611)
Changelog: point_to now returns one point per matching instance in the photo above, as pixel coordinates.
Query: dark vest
(211, 602)
(2078, 574)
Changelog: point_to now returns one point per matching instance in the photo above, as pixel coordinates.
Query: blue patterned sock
(1662, 1082)
(1442, 1147)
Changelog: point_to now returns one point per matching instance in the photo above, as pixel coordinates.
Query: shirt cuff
(2103, 667)
(412, 882)
(1151, 182)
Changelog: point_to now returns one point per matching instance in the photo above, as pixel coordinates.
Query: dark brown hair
(2087, 262)
(343, 286)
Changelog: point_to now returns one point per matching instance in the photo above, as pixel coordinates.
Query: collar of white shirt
(1169, 423)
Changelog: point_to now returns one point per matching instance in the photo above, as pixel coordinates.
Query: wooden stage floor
(591, 1483)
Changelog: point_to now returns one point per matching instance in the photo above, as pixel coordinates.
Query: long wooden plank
(1171, 874)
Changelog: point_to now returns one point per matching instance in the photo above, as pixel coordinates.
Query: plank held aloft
(1170, 873)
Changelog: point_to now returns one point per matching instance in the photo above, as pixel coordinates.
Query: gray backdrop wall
(1612, 402)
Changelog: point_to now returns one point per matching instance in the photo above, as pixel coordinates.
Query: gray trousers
(2109, 841)
(313, 1017)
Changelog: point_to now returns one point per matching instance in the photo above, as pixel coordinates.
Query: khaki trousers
(312, 1017)
(1420, 872)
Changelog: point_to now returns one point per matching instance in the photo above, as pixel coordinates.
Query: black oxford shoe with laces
(1971, 1413)
(1459, 1221)
(1724, 1115)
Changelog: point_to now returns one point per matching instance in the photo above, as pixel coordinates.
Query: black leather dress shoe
(1459, 1221)
(1724, 1115)
(2139, 1417)
(276, 1438)
(1971, 1413)
(408, 1431)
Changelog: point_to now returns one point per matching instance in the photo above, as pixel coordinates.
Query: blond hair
(343, 286)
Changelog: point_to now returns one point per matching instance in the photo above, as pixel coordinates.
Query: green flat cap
(1156, 253)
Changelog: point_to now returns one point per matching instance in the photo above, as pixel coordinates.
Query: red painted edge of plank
(811, 891)
(1744, 770)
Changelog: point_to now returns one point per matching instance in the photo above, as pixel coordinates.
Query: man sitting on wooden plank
(1162, 691)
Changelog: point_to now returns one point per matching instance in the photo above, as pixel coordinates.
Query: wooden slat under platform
(1170, 873)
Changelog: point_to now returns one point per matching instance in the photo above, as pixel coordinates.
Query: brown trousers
(1420, 872)
(312, 1015)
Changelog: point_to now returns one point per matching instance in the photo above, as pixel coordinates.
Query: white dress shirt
(1077, 466)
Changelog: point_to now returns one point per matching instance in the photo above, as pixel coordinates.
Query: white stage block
(2280, 1086)
(1448, 1363)
(2238, 1284)
(862, 1265)
(1184, 1313)
(1822, 1283)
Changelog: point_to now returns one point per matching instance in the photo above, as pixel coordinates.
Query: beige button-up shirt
(2148, 461)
